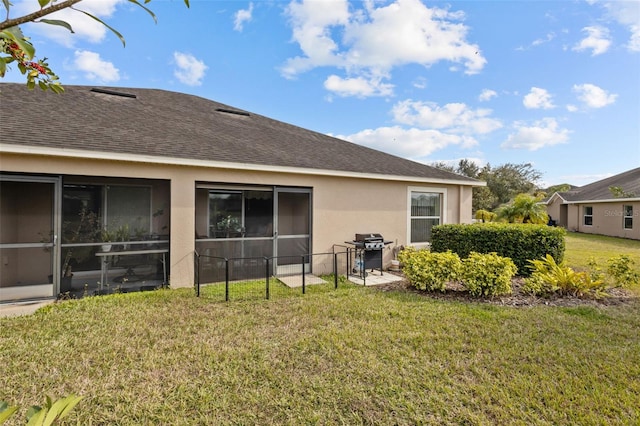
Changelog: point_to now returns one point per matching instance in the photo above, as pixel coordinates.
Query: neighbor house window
(425, 213)
(588, 215)
(628, 217)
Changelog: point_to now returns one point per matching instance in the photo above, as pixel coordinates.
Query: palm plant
(530, 209)
(508, 212)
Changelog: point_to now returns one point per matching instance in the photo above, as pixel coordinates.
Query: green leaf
(15, 34)
(6, 411)
(43, 3)
(103, 23)
(35, 415)
(3, 67)
(6, 4)
(145, 8)
(68, 404)
(56, 88)
(58, 23)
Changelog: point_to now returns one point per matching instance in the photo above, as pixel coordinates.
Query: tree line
(511, 193)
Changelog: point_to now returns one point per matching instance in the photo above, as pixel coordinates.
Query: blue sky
(553, 83)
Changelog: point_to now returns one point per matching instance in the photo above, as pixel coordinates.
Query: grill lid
(369, 237)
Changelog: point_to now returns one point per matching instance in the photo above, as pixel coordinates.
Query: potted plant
(106, 237)
(395, 263)
(229, 226)
(122, 234)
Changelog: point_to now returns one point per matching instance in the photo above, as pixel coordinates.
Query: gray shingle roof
(629, 181)
(168, 124)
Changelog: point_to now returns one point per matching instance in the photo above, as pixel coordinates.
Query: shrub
(620, 268)
(487, 274)
(430, 271)
(43, 416)
(519, 242)
(550, 277)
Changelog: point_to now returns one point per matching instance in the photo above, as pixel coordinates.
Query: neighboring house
(609, 206)
(168, 174)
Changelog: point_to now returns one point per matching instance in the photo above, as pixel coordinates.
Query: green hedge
(519, 242)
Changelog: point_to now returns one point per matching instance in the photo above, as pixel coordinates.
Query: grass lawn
(580, 247)
(349, 356)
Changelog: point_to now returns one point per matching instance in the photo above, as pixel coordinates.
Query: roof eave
(608, 200)
(137, 158)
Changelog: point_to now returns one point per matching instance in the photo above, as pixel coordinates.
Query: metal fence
(239, 278)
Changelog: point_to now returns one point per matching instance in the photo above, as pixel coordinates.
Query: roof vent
(231, 111)
(113, 92)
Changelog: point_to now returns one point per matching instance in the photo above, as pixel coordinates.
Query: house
(609, 206)
(160, 176)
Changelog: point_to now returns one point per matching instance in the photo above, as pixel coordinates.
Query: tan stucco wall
(607, 219)
(553, 210)
(341, 206)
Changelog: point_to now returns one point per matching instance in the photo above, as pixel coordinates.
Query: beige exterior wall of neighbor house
(607, 218)
(342, 206)
(553, 210)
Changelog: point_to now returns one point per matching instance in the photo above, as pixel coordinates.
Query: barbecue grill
(368, 253)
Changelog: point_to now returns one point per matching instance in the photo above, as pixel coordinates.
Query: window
(588, 215)
(628, 217)
(129, 207)
(88, 209)
(234, 214)
(425, 213)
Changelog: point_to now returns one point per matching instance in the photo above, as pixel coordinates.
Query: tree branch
(37, 15)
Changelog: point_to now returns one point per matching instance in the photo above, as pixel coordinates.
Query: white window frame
(625, 216)
(443, 210)
(585, 215)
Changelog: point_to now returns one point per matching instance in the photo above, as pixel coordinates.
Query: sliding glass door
(293, 229)
(29, 250)
(248, 222)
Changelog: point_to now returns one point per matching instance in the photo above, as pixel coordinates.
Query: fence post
(266, 275)
(363, 271)
(335, 270)
(197, 274)
(226, 279)
(348, 262)
(304, 290)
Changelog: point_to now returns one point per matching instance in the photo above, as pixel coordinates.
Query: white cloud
(358, 86)
(542, 133)
(408, 143)
(190, 70)
(242, 16)
(94, 67)
(424, 127)
(538, 98)
(486, 95)
(572, 108)
(84, 27)
(550, 36)
(455, 117)
(312, 22)
(373, 40)
(598, 40)
(420, 83)
(627, 14)
(593, 96)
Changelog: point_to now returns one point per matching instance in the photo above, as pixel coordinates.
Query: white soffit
(136, 158)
